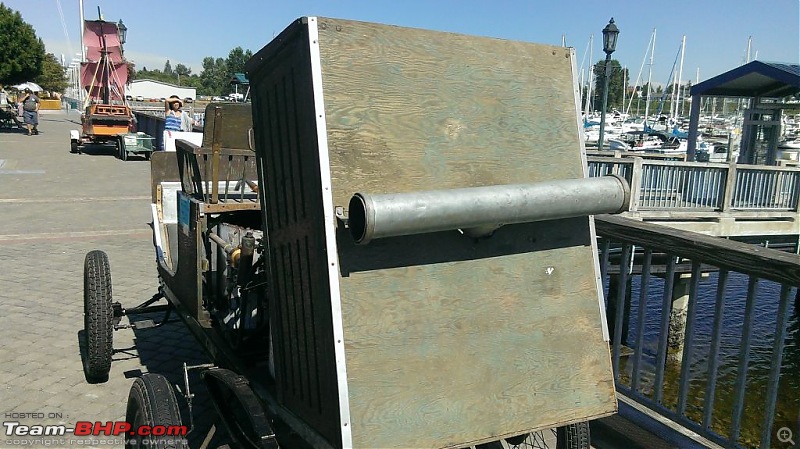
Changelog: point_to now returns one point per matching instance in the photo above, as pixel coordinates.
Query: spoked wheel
(98, 315)
(151, 402)
(573, 436)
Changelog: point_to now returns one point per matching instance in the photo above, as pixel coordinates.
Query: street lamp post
(610, 33)
(122, 30)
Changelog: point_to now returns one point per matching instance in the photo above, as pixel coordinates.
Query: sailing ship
(104, 74)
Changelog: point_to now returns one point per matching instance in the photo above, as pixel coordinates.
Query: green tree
(214, 76)
(167, 68)
(182, 72)
(237, 58)
(615, 83)
(52, 77)
(131, 71)
(21, 51)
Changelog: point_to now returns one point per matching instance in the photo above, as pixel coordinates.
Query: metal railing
(694, 186)
(766, 189)
(705, 331)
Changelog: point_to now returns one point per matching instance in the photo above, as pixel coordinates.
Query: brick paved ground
(56, 207)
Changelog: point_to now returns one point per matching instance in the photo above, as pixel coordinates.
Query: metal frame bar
(744, 359)
(666, 306)
(619, 305)
(713, 359)
(775, 370)
(688, 339)
(643, 292)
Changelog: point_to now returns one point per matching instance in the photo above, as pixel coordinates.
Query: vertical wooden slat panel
(286, 142)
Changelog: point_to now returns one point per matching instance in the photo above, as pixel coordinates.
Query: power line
(64, 26)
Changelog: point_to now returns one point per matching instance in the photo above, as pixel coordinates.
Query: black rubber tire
(152, 402)
(98, 315)
(121, 151)
(73, 147)
(574, 436)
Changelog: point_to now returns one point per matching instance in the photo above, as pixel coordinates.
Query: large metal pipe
(483, 208)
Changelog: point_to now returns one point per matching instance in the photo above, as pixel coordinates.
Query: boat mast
(677, 90)
(590, 82)
(749, 46)
(639, 78)
(104, 63)
(649, 80)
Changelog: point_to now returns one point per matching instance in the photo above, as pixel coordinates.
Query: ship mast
(105, 65)
(677, 90)
(649, 80)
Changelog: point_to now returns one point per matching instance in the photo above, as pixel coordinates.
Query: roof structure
(754, 79)
(240, 78)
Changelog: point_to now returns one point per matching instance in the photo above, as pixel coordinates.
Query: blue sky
(185, 31)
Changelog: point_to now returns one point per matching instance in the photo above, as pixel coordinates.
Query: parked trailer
(393, 248)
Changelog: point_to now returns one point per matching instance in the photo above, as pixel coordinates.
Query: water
(760, 353)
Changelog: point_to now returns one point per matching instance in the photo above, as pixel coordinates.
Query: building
(151, 89)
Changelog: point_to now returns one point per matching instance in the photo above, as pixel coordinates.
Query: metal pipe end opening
(357, 219)
(626, 193)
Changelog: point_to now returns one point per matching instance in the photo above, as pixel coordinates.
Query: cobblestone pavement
(56, 207)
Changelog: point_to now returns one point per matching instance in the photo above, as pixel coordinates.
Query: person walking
(30, 112)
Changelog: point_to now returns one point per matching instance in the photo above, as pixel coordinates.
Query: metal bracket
(188, 393)
(251, 140)
(342, 216)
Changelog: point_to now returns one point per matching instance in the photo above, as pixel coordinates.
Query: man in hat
(176, 119)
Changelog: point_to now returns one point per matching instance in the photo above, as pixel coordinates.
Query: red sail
(104, 66)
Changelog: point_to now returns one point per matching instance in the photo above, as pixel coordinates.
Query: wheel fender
(74, 134)
(230, 392)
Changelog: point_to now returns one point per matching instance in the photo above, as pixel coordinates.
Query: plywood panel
(450, 340)
(413, 109)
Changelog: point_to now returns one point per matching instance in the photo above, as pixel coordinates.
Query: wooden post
(694, 120)
(677, 317)
(730, 186)
(636, 184)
